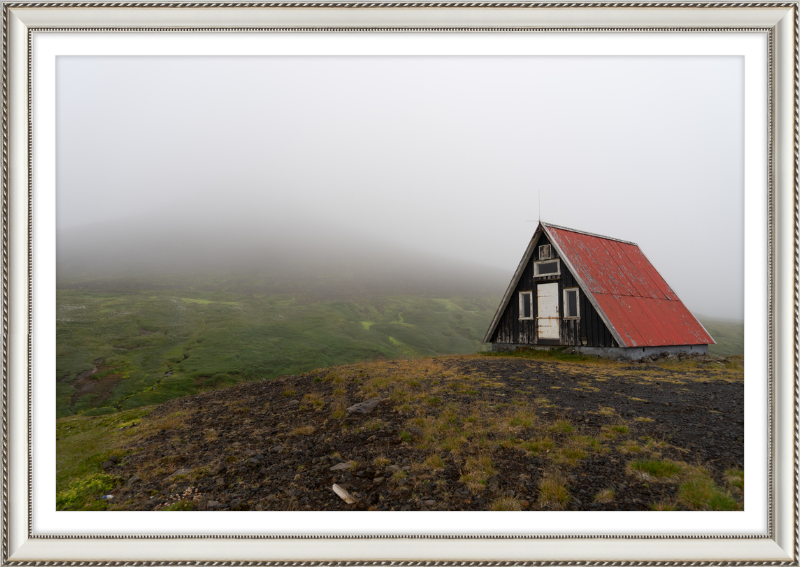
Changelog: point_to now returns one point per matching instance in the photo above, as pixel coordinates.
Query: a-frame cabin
(598, 294)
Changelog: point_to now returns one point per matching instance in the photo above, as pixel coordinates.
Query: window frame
(577, 291)
(537, 263)
(549, 252)
(521, 311)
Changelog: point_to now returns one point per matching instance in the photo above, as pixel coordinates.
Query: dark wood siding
(588, 330)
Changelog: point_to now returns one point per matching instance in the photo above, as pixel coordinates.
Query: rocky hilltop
(481, 432)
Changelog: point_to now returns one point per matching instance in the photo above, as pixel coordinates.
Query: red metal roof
(634, 298)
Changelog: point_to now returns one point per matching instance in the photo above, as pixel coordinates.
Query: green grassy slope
(729, 336)
(148, 347)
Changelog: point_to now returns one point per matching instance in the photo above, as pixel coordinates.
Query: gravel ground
(268, 446)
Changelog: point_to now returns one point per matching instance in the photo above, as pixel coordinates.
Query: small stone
(179, 472)
(133, 480)
(214, 504)
(343, 494)
(524, 503)
(378, 481)
(341, 467)
(666, 404)
(107, 465)
(114, 459)
(364, 407)
(429, 502)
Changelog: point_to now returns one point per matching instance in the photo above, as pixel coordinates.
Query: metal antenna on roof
(540, 208)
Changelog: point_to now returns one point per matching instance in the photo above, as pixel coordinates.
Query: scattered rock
(133, 480)
(365, 406)
(341, 467)
(712, 439)
(107, 465)
(114, 459)
(343, 494)
(178, 473)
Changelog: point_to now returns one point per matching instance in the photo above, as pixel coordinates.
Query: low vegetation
(461, 432)
(118, 351)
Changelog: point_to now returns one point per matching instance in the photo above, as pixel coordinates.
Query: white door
(547, 319)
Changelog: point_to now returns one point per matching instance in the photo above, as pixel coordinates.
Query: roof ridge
(549, 225)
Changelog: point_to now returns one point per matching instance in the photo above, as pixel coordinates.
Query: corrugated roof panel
(620, 319)
(618, 281)
(634, 298)
(644, 285)
(643, 266)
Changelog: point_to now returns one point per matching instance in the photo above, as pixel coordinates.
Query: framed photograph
(379, 282)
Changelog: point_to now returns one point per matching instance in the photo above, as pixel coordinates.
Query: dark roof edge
(547, 224)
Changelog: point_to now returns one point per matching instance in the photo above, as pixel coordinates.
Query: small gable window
(571, 307)
(546, 268)
(526, 305)
(544, 252)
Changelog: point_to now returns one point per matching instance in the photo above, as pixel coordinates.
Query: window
(547, 268)
(526, 305)
(544, 252)
(571, 307)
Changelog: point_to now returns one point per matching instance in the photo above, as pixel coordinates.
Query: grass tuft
(700, 492)
(562, 426)
(506, 504)
(653, 469)
(82, 493)
(305, 430)
(553, 490)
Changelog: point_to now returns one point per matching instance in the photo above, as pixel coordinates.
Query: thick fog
(415, 171)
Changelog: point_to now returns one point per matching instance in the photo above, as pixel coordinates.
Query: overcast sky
(446, 155)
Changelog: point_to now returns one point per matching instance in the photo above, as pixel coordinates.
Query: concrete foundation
(632, 353)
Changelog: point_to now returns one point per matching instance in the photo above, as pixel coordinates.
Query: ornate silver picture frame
(777, 21)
